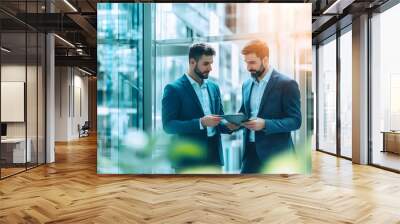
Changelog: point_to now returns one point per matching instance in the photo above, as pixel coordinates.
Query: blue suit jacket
(280, 107)
(181, 111)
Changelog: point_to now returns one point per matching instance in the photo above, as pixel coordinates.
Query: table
(391, 141)
(13, 150)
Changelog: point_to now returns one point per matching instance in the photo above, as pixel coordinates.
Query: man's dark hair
(200, 49)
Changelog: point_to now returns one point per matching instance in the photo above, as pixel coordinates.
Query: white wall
(33, 126)
(12, 73)
(80, 94)
(71, 94)
(16, 73)
(61, 103)
(13, 100)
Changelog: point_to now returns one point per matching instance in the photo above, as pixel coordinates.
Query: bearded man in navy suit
(190, 108)
(271, 101)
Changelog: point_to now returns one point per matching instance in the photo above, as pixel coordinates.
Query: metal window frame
(387, 5)
(384, 7)
(148, 74)
(334, 37)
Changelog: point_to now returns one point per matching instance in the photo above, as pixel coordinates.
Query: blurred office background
(143, 47)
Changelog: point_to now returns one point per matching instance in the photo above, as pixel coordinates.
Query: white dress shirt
(256, 95)
(204, 98)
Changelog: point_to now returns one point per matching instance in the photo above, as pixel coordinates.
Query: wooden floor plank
(70, 191)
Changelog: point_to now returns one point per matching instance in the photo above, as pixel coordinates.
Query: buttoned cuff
(201, 126)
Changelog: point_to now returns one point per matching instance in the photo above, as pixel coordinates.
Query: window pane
(32, 97)
(386, 89)
(327, 97)
(346, 94)
(41, 98)
(120, 77)
(14, 153)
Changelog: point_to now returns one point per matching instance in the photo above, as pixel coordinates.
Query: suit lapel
(191, 92)
(212, 97)
(267, 90)
(247, 94)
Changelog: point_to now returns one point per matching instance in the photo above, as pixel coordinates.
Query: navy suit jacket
(280, 107)
(181, 111)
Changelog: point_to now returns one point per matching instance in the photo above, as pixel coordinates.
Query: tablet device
(236, 119)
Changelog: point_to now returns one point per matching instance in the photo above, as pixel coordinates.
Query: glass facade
(327, 96)
(346, 94)
(22, 87)
(119, 83)
(329, 131)
(385, 87)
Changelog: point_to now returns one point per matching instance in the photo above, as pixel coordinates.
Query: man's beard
(259, 72)
(201, 75)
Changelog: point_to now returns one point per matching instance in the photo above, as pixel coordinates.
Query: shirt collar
(266, 77)
(193, 82)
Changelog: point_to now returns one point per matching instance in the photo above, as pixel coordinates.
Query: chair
(84, 130)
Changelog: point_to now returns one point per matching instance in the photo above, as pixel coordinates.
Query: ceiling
(75, 21)
(76, 25)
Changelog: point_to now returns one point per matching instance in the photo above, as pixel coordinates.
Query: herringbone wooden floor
(70, 191)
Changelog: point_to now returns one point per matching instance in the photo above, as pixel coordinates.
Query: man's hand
(255, 125)
(210, 120)
(232, 127)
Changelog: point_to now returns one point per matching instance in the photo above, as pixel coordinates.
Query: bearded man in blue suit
(271, 101)
(190, 109)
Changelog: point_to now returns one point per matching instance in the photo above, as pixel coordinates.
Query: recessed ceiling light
(70, 5)
(338, 6)
(65, 41)
(5, 50)
(84, 71)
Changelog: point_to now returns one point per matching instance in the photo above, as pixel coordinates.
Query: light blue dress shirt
(204, 98)
(257, 93)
